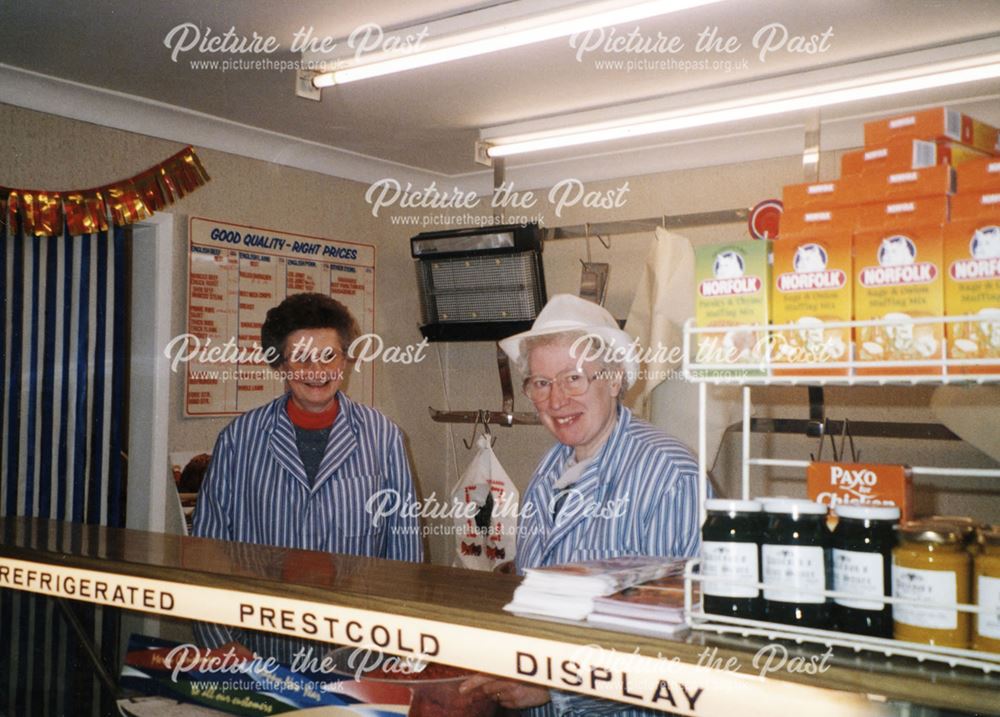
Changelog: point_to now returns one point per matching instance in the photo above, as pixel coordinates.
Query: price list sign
(235, 274)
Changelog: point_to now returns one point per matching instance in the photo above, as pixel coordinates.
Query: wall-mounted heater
(479, 284)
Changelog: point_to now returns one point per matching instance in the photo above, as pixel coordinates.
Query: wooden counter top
(456, 597)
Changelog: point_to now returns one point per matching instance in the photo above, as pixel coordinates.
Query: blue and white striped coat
(256, 490)
(639, 496)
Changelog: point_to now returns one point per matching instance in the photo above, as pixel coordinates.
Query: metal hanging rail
(869, 429)
(636, 226)
(505, 416)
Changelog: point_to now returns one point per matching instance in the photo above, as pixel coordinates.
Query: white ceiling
(429, 119)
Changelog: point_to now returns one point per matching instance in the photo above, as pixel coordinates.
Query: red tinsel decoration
(85, 211)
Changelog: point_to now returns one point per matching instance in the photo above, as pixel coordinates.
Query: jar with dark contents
(795, 563)
(730, 558)
(862, 565)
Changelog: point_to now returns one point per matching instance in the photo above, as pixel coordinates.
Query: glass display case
(74, 595)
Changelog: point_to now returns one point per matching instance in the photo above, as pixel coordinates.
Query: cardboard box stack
(911, 230)
(812, 276)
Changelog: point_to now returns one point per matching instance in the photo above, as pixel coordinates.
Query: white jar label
(989, 604)
(860, 574)
(925, 586)
(794, 573)
(726, 565)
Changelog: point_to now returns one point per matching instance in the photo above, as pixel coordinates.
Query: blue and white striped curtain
(63, 333)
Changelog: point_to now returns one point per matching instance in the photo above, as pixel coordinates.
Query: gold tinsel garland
(41, 213)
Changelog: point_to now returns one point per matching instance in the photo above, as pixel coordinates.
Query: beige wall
(45, 151)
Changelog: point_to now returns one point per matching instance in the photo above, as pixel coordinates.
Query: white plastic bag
(486, 519)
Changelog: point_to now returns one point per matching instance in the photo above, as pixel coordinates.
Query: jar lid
(923, 531)
(794, 506)
(961, 520)
(774, 499)
(965, 526)
(867, 512)
(733, 506)
(990, 535)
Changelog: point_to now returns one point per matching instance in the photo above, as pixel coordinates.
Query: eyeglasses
(571, 383)
(308, 357)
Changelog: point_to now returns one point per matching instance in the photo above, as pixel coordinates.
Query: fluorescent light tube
(516, 33)
(778, 103)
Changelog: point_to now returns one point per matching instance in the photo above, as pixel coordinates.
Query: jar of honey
(931, 566)
(986, 587)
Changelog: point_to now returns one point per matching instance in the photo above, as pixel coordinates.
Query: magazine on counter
(600, 577)
(660, 600)
(635, 625)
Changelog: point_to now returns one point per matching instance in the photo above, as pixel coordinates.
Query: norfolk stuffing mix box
(871, 189)
(972, 288)
(812, 286)
(809, 221)
(815, 195)
(937, 181)
(897, 156)
(972, 205)
(733, 287)
(897, 276)
(907, 153)
(924, 211)
(982, 176)
(935, 123)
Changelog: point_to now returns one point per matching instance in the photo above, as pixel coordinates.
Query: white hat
(565, 312)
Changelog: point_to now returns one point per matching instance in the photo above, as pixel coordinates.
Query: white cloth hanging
(486, 518)
(664, 300)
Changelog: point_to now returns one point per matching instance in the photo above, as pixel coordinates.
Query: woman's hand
(510, 694)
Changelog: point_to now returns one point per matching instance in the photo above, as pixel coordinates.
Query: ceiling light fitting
(501, 34)
(863, 85)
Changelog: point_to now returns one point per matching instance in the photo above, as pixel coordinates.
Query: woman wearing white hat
(613, 485)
